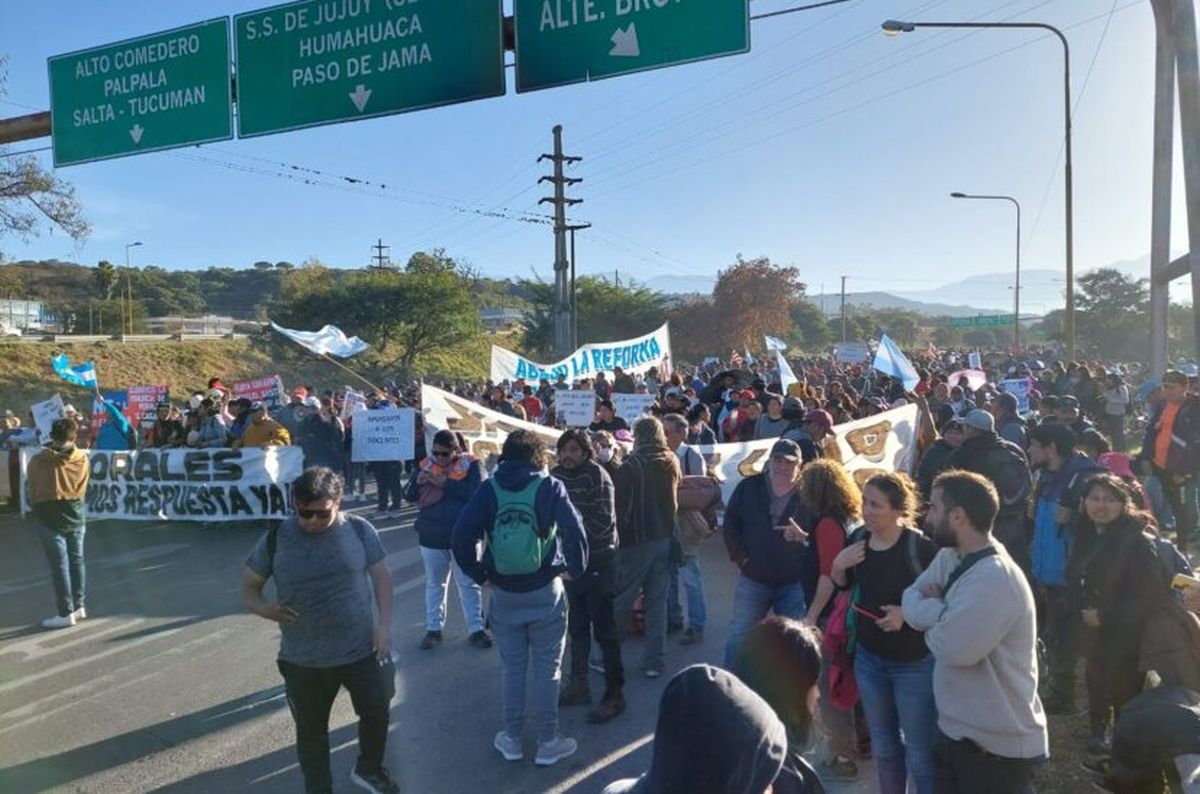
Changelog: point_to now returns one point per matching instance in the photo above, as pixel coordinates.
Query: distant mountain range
(1042, 290)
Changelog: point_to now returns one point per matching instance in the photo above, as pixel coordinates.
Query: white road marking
(596, 766)
(38, 645)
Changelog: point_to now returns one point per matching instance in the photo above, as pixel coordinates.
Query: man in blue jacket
(1055, 509)
(534, 535)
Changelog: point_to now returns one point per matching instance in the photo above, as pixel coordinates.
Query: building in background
(25, 315)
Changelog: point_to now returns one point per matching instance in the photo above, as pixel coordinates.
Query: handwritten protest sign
(268, 391)
(630, 407)
(384, 434)
(44, 414)
(575, 408)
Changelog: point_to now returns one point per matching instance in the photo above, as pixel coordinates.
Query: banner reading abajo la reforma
(631, 355)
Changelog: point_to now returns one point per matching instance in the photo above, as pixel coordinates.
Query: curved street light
(1017, 280)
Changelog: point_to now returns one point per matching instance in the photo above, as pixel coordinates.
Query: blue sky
(828, 146)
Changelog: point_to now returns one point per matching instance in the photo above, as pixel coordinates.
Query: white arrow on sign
(136, 133)
(360, 96)
(625, 43)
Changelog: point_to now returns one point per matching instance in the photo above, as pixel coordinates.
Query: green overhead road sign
(324, 61)
(141, 95)
(560, 42)
(982, 321)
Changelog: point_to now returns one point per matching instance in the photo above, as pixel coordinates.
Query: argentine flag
(891, 361)
(80, 374)
(775, 343)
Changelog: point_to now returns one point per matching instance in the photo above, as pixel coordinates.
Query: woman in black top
(892, 666)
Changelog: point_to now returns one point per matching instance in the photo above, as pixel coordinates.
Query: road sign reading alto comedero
(569, 41)
(141, 95)
(324, 61)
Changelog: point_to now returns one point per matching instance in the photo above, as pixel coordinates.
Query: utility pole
(382, 256)
(563, 308)
(843, 308)
(574, 305)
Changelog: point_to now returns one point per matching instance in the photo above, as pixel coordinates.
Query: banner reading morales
(188, 484)
(632, 355)
(884, 442)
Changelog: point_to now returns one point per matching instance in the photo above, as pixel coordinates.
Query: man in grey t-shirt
(326, 564)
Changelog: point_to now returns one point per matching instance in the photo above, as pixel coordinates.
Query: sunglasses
(442, 453)
(322, 514)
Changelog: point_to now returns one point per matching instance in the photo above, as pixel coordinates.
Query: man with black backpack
(1005, 465)
(326, 565)
(534, 535)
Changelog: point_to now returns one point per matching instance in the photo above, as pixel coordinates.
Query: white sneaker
(80, 614)
(551, 753)
(509, 747)
(59, 621)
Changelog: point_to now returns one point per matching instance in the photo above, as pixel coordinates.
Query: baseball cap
(793, 404)
(747, 394)
(980, 420)
(787, 449)
(1067, 401)
(256, 406)
(820, 417)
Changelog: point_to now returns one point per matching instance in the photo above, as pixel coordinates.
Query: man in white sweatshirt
(977, 612)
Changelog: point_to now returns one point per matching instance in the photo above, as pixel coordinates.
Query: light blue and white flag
(749, 358)
(80, 374)
(329, 339)
(775, 343)
(786, 376)
(890, 360)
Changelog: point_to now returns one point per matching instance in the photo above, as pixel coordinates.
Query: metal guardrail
(84, 339)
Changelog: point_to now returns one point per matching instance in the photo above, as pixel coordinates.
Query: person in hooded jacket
(528, 610)
(57, 479)
(441, 487)
(321, 434)
(740, 749)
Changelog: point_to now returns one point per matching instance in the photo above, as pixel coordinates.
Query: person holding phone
(892, 665)
(765, 534)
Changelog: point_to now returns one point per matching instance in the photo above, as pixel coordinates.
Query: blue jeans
(751, 603)
(64, 552)
(898, 697)
(437, 577)
(693, 585)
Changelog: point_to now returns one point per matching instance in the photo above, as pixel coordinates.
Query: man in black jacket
(1005, 465)
(590, 598)
(764, 533)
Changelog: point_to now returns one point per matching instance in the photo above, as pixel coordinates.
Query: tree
(32, 196)
(105, 277)
(810, 326)
(692, 324)
(1112, 314)
(263, 265)
(754, 298)
(284, 266)
(606, 312)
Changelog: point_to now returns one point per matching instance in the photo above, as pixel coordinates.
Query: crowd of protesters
(928, 623)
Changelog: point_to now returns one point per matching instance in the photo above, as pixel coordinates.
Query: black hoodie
(714, 736)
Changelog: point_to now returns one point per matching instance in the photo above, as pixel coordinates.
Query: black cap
(786, 448)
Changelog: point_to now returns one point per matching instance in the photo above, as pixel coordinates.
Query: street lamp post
(893, 28)
(129, 286)
(1017, 278)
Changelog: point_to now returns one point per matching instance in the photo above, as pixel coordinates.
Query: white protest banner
(631, 407)
(632, 355)
(575, 408)
(5, 480)
(249, 484)
(884, 442)
(354, 401)
(974, 361)
(384, 434)
(1019, 388)
(851, 352)
(44, 414)
(142, 402)
(268, 391)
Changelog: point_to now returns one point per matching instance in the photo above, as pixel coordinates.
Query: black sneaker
(378, 781)
(481, 639)
(431, 639)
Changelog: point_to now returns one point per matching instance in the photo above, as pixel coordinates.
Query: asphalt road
(170, 686)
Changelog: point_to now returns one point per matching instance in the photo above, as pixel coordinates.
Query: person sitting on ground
(740, 749)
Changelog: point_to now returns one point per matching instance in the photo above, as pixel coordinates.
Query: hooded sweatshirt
(714, 736)
(552, 506)
(58, 480)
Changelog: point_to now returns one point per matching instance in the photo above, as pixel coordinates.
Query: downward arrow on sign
(360, 96)
(625, 43)
(136, 133)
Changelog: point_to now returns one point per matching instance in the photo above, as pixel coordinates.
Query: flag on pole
(80, 374)
(749, 358)
(786, 376)
(329, 339)
(890, 360)
(775, 343)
